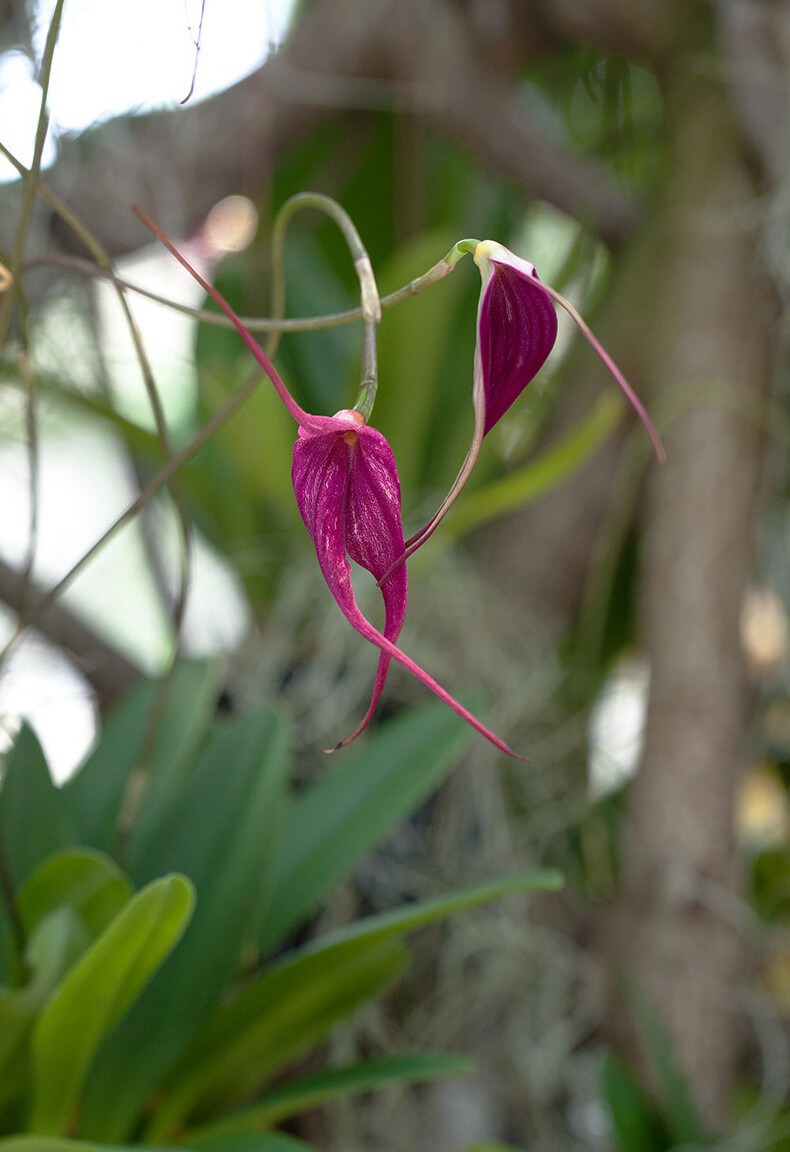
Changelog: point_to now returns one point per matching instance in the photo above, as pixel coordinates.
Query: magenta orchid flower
(516, 331)
(348, 493)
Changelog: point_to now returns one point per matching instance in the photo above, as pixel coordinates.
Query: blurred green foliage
(154, 991)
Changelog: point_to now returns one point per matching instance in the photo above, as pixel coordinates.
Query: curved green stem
(370, 309)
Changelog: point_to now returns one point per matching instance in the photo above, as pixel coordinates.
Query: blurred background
(623, 623)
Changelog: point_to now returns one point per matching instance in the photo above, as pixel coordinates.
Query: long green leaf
(420, 913)
(532, 481)
(282, 1015)
(221, 832)
(34, 813)
(98, 789)
(413, 344)
(64, 905)
(330, 1083)
(253, 1142)
(340, 819)
(271, 1019)
(635, 1125)
(97, 992)
(676, 1107)
(61, 1144)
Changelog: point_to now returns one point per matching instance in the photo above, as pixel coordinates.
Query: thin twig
(104, 262)
(33, 460)
(196, 42)
(10, 278)
(154, 485)
(251, 323)
(102, 258)
(31, 174)
(108, 672)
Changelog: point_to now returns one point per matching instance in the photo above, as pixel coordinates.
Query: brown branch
(477, 105)
(342, 55)
(638, 29)
(109, 674)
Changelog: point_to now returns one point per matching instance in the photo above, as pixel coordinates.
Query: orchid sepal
(497, 386)
(507, 356)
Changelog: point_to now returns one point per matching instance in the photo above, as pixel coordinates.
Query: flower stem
(219, 319)
(370, 303)
(625, 387)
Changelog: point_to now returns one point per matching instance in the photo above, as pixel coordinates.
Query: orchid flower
(516, 331)
(348, 494)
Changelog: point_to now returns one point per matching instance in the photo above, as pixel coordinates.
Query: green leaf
(318, 364)
(350, 810)
(293, 1003)
(636, 1126)
(224, 364)
(532, 481)
(96, 993)
(330, 1083)
(50, 952)
(221, 832)
(420, 913)
(34, 814)
(64, 905)
(88, 882)
(277, 1018)
(6, 944)
(60, 1144)
(414, 338)
(497, 1147)
(676, 1106)
(251, 1142)
(187, 709)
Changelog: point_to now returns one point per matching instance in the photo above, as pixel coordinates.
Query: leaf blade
(96, 993)
(340, 819)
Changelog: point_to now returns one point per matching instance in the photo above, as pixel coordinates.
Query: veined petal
(348, 495)
(516, 330)
(488, 252)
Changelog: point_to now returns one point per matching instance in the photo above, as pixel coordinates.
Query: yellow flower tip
(489, 250)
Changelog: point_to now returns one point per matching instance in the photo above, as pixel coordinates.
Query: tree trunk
(710, 345)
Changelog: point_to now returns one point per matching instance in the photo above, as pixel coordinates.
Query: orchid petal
(348, 495)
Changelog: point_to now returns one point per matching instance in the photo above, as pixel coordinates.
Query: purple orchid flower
(516, 331)
(348, 493)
